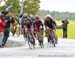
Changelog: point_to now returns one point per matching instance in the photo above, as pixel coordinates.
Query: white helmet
(49, 16)
(31, 15)
(36, 16)
(25, 14)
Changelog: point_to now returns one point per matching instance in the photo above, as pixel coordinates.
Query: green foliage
(15, 3)
(56, 14)
(31, 6)
(3, 7)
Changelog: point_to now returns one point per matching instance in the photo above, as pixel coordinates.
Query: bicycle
(30, 39)
(52, 38)
(40, 38)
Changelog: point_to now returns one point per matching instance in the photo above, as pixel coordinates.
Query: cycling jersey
(37, 25)
(51, 24)
(27, 23)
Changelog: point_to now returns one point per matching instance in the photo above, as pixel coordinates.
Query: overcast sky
(58, 5)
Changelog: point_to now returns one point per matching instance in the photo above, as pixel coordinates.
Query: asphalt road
(64, 49)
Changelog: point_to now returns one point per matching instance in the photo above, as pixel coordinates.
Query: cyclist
(50, 25)
(27, 26)
(38, 27)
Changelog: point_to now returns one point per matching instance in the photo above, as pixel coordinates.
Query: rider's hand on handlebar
(47, 28)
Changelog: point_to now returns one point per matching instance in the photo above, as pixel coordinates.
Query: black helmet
(5, 12)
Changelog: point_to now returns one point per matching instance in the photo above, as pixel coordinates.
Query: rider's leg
(25, 34)
(55, 36)
(33, 37)
(48, 31)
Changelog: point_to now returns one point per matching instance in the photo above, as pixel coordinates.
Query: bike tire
(30, 41)
(54, 42)
(30, 45)
(40, 39)
(52, 39)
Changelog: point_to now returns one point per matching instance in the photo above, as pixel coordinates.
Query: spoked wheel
(30, 41)
(40, 39)
(30, 45)
(41, 44)
(54, 44)
(52, 41)
(56, 40)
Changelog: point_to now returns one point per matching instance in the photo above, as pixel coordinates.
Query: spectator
(65, 26)
(2, 24)
(6, 19)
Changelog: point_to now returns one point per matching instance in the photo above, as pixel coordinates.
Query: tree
(56, 14)
(30, 6)
(15, 4)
